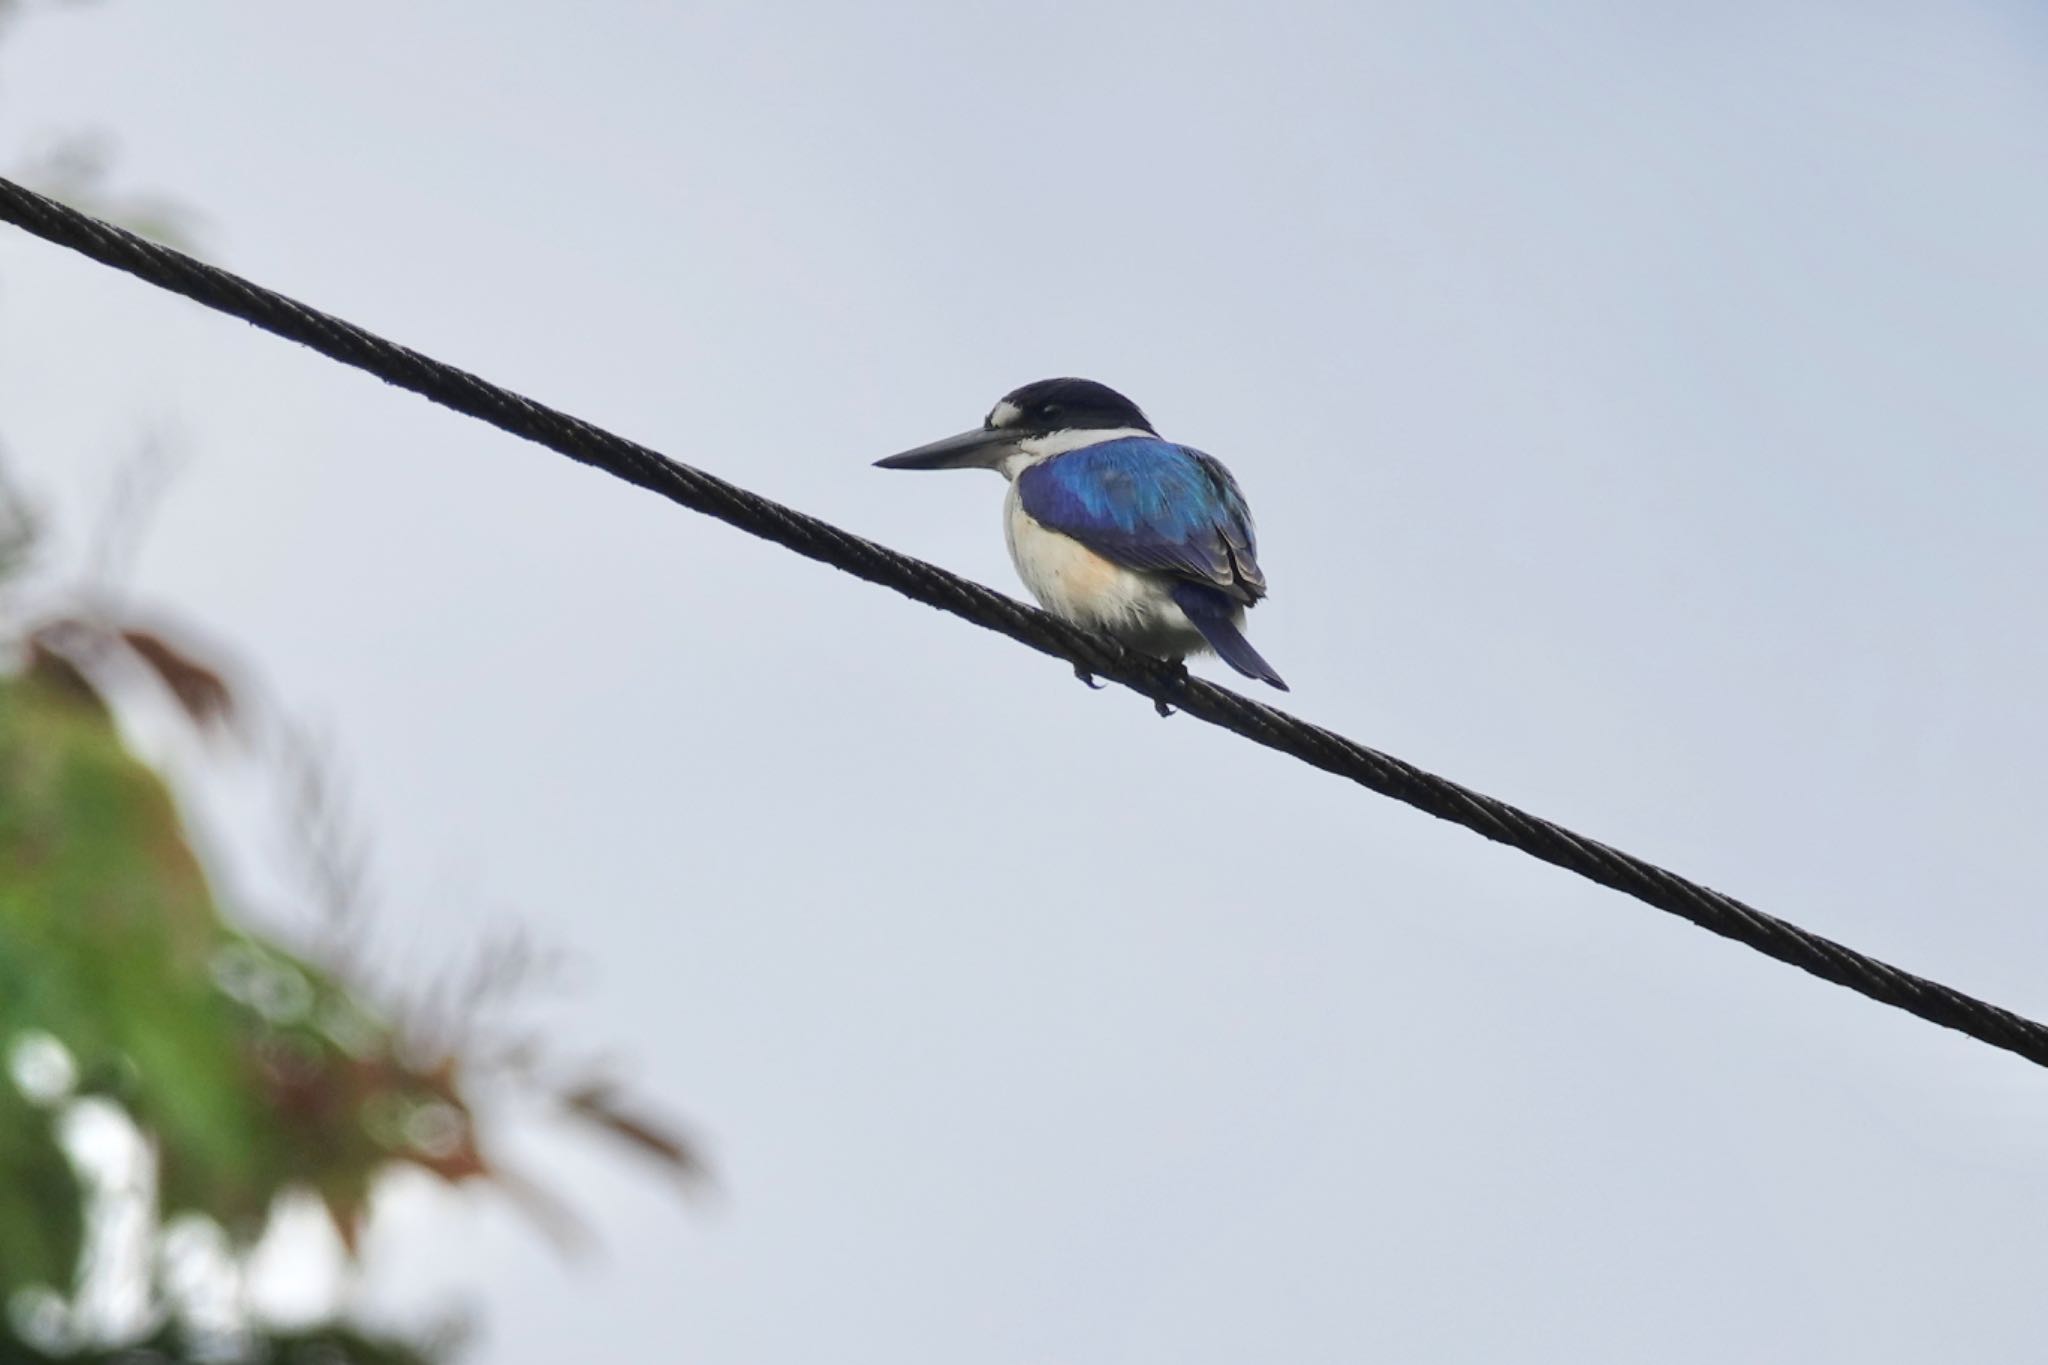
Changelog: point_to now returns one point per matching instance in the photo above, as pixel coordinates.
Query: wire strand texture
(1095, 654)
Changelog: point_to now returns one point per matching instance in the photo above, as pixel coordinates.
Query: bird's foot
(1086, 677)
(1176, 680)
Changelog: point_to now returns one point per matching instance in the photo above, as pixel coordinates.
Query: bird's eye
(1051, 410)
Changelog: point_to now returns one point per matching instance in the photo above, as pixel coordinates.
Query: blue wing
(1150, 504)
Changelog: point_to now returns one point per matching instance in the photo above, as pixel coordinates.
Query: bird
(1114, 528)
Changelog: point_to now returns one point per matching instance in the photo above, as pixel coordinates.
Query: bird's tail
(1210, 612)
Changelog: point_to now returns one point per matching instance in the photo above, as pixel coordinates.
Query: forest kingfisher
(1114, 528)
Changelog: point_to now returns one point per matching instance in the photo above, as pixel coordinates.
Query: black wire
(1092, 653)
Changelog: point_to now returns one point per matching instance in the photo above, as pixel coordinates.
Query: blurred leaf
(598, 1103)
(210, 1039)
(42, 1211)
(107, 933)
(201, 691)
(247, 1069)
(56, 675)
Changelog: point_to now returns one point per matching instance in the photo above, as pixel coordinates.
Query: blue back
(1150, 504)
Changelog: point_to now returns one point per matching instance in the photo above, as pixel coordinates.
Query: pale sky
(1643, 410)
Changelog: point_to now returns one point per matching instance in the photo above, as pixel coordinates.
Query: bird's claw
(1177, 679)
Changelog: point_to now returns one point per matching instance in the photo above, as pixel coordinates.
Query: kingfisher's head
(1029, 424)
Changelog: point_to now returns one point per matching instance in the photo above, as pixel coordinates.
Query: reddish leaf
(54, 671)
(597, 1102)
(200, 690)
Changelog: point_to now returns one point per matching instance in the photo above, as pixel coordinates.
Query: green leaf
(42, 1214)
(212, 1040)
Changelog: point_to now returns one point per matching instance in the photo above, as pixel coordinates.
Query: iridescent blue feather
(1150, 504)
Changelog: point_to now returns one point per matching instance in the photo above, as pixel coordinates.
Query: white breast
(1072, 581)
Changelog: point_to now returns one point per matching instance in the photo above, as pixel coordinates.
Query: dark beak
(976, 449)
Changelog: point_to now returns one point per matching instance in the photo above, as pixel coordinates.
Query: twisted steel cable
(1090, 653)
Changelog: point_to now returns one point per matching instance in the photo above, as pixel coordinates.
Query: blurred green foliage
(253, 1071)
(42, 1213)
(318, 1346)
(250, 1071)
(246, 1069)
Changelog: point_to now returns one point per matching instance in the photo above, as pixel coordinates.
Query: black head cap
(1064, 405)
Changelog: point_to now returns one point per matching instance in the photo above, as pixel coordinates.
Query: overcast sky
(1644, 411)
